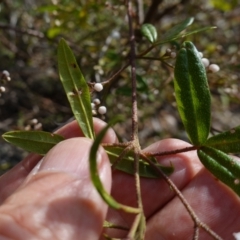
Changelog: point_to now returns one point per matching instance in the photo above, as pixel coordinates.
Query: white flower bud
(102, 110)
(2, 89)
(6, 73)
(205, 62)
(115, 34)
(98, 87)
(34, 121)
(94, 112)
(214, 68)
(173, 55)
(93, 105)
(200, 54)
(38, 126)
(96, 101)
(168, 50)
(27, 128)
(8, 79)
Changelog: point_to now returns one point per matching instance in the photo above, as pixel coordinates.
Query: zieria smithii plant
(193, 100)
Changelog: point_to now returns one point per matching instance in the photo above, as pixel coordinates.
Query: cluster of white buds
(33, 124)
(5, 77)
(171, 53)
(96, 108)
(211, 67)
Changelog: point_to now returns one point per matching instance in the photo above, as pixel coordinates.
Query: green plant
(193, 102)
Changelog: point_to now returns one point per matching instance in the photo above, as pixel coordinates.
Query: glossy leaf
(228, 142)
(76, 88)
(33, 141)
(149, 31)
(192, 93)
(95, 176)
(126, 164)
(221, 166)
(176, 30)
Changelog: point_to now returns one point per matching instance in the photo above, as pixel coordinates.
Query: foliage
(190, 84)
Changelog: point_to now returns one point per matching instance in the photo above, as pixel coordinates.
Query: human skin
(53, 197)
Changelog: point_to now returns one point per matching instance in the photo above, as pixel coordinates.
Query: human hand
(55, 199)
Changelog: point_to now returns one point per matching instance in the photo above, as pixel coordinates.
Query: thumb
(58, 200)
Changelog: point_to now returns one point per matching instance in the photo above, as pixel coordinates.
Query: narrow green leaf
(228, 142)
(33, 141)
(192, 93)
(221, 166)
(126, 164)
(197, 31)
(76, 88)
(149, 31)
(183, 35)
(176, 30)
(95, 176)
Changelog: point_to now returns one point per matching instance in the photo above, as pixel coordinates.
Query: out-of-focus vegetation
(97, 31)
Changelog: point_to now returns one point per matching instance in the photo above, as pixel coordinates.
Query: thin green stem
(115, 75)
(157, 59)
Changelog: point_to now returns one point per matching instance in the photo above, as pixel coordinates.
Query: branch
(168, 10)
(197, 222)
(152, 11)
(158, 154)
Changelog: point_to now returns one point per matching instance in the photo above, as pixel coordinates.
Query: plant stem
(135, 140)
(197, 222)
(133, 76)
(158, 154)
(116, 74)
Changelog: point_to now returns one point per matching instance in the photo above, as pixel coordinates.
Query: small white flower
(98, 87)
(200, 54)
(94, 112)
(96, 101)
(205, 62)
(214, 68)
(102, 110)
(173, 54)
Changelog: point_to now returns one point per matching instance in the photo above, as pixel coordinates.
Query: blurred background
(97, 31)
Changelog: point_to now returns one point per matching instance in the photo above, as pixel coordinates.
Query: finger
(14, 177)
(156, 193)
(214, 203)
(59, 200)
